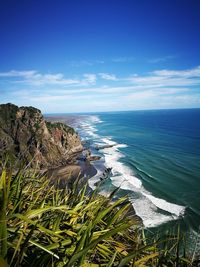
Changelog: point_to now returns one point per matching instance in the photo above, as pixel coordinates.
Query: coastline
(80, 167)
(67, 174)
(127, 173)
(90, 168)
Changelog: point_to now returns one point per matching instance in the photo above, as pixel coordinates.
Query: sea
(155, 160)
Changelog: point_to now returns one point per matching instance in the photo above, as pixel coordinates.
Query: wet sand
(66, 175)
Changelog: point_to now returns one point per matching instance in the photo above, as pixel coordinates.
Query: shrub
(42, 225)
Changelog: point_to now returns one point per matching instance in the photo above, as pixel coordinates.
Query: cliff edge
(25, 135)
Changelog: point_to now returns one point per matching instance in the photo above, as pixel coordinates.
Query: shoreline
(107, 149)
(82, 166)
(89, 165)
(66, 175)
(121, 175)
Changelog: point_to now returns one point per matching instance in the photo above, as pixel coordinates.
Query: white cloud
(89, 78)
(35, 78)
(154, 79)
(154, 90)
(162, 59)
(162, 78)
(107, 76)
(190, 73)
(15, 73)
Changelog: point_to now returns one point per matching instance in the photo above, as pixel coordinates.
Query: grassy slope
(42, 225)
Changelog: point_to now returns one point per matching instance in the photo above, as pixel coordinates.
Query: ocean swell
(152, 210)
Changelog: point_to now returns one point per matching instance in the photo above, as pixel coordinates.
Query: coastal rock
(93, 158)
(103, 146)
(86, 155)
(24, 134)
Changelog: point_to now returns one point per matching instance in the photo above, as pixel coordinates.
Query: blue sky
(102, 55)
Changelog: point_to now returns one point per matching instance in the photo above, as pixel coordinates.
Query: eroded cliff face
(24, 134)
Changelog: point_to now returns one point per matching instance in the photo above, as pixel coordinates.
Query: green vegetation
(60, 126)
(42, 225)
(8, 113)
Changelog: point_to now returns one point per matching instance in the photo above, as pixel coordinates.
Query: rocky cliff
(24, 134)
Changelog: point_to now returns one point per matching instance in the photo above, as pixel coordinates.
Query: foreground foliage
(42, 225)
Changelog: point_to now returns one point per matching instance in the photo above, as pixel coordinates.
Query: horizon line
(116, 111)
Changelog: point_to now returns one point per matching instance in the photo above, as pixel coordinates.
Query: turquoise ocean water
(155, 160)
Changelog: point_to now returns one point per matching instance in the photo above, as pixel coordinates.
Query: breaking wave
(152, 210)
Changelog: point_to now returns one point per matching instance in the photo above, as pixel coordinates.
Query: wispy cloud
(82, 63)
(108, 76)
(34, 78)
(93, 62)
(190, 73)
(16, 73)
(122, 59)
(162, 59)
(163, 78)
(162, 88)
(89, 79)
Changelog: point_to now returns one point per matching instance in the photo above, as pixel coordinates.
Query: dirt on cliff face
(25, 135)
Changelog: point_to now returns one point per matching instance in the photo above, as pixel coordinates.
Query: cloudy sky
(102, 55)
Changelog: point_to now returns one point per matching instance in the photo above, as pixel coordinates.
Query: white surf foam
(95, 119)
(121, 146)
(145, 205)
(108, 141)
(89, 129)
(164, 205)
(148, 207)
(119, 170)
(94, 180)
(89, 126)
(148, 212)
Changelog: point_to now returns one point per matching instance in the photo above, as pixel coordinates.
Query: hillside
(26, 136)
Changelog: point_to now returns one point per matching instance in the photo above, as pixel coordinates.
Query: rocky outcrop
(104, 146)
(25, 135)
